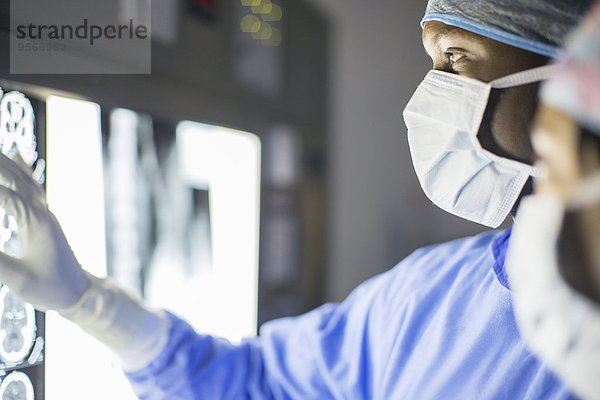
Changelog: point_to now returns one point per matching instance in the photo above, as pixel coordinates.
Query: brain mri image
(16, 386)
(17, 327)
(16, 127)
(17, 137)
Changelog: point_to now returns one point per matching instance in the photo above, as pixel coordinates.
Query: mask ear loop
(524, 77)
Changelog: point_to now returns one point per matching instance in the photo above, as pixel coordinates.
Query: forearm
(162, 356)
(135, 332)
(196, 366)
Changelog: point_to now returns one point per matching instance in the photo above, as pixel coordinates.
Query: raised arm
(163, 357)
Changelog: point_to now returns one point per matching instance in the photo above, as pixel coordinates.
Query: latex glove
(47, 275)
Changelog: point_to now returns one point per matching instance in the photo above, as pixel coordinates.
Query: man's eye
(453, 57)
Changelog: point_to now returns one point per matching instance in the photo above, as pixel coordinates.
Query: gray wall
(194, 78)
(377, 212)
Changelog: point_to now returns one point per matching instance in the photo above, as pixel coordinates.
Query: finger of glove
(17, 206)
(17, 159)
(29, 177)
(13, 272)
(19, 179)
(22, 173)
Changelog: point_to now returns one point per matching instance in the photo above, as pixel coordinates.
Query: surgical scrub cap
(539, 26)
(575, 87)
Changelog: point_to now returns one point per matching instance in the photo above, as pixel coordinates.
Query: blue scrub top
(437, 326)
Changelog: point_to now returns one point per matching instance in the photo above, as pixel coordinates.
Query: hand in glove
(46, 274)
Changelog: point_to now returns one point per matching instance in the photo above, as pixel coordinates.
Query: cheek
(512, 119)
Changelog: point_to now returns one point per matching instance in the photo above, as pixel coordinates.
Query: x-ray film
(16, 137)
(17, 327)
(16, 127)
(16, 386)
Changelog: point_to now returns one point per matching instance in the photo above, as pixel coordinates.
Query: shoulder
(444, 257)
(425, 274)
(457, 248)
(430, 274)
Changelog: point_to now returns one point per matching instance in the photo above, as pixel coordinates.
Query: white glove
(47, 275)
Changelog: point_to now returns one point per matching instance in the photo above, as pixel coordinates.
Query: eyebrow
(436, 37)
(446, 30)
(449, 32)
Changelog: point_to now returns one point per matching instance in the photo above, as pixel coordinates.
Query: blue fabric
(437, 326)
(499, 249)
(539, 26)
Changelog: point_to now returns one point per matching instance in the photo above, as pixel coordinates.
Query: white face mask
(559, 324)
(455, 172)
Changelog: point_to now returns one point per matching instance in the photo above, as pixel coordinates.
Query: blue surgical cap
(539, 26)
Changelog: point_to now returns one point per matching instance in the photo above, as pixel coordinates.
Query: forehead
(434, 30)
(438, 36)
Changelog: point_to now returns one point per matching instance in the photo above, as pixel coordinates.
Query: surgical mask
(456, 173)
(559, 324)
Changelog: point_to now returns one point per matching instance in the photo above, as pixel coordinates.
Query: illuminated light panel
(223, 300)
(122, 196)
(78, 366)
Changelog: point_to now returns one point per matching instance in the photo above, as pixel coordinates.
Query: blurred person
(438, 325)
(554, 257)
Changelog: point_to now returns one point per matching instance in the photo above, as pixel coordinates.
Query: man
(439, 325)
